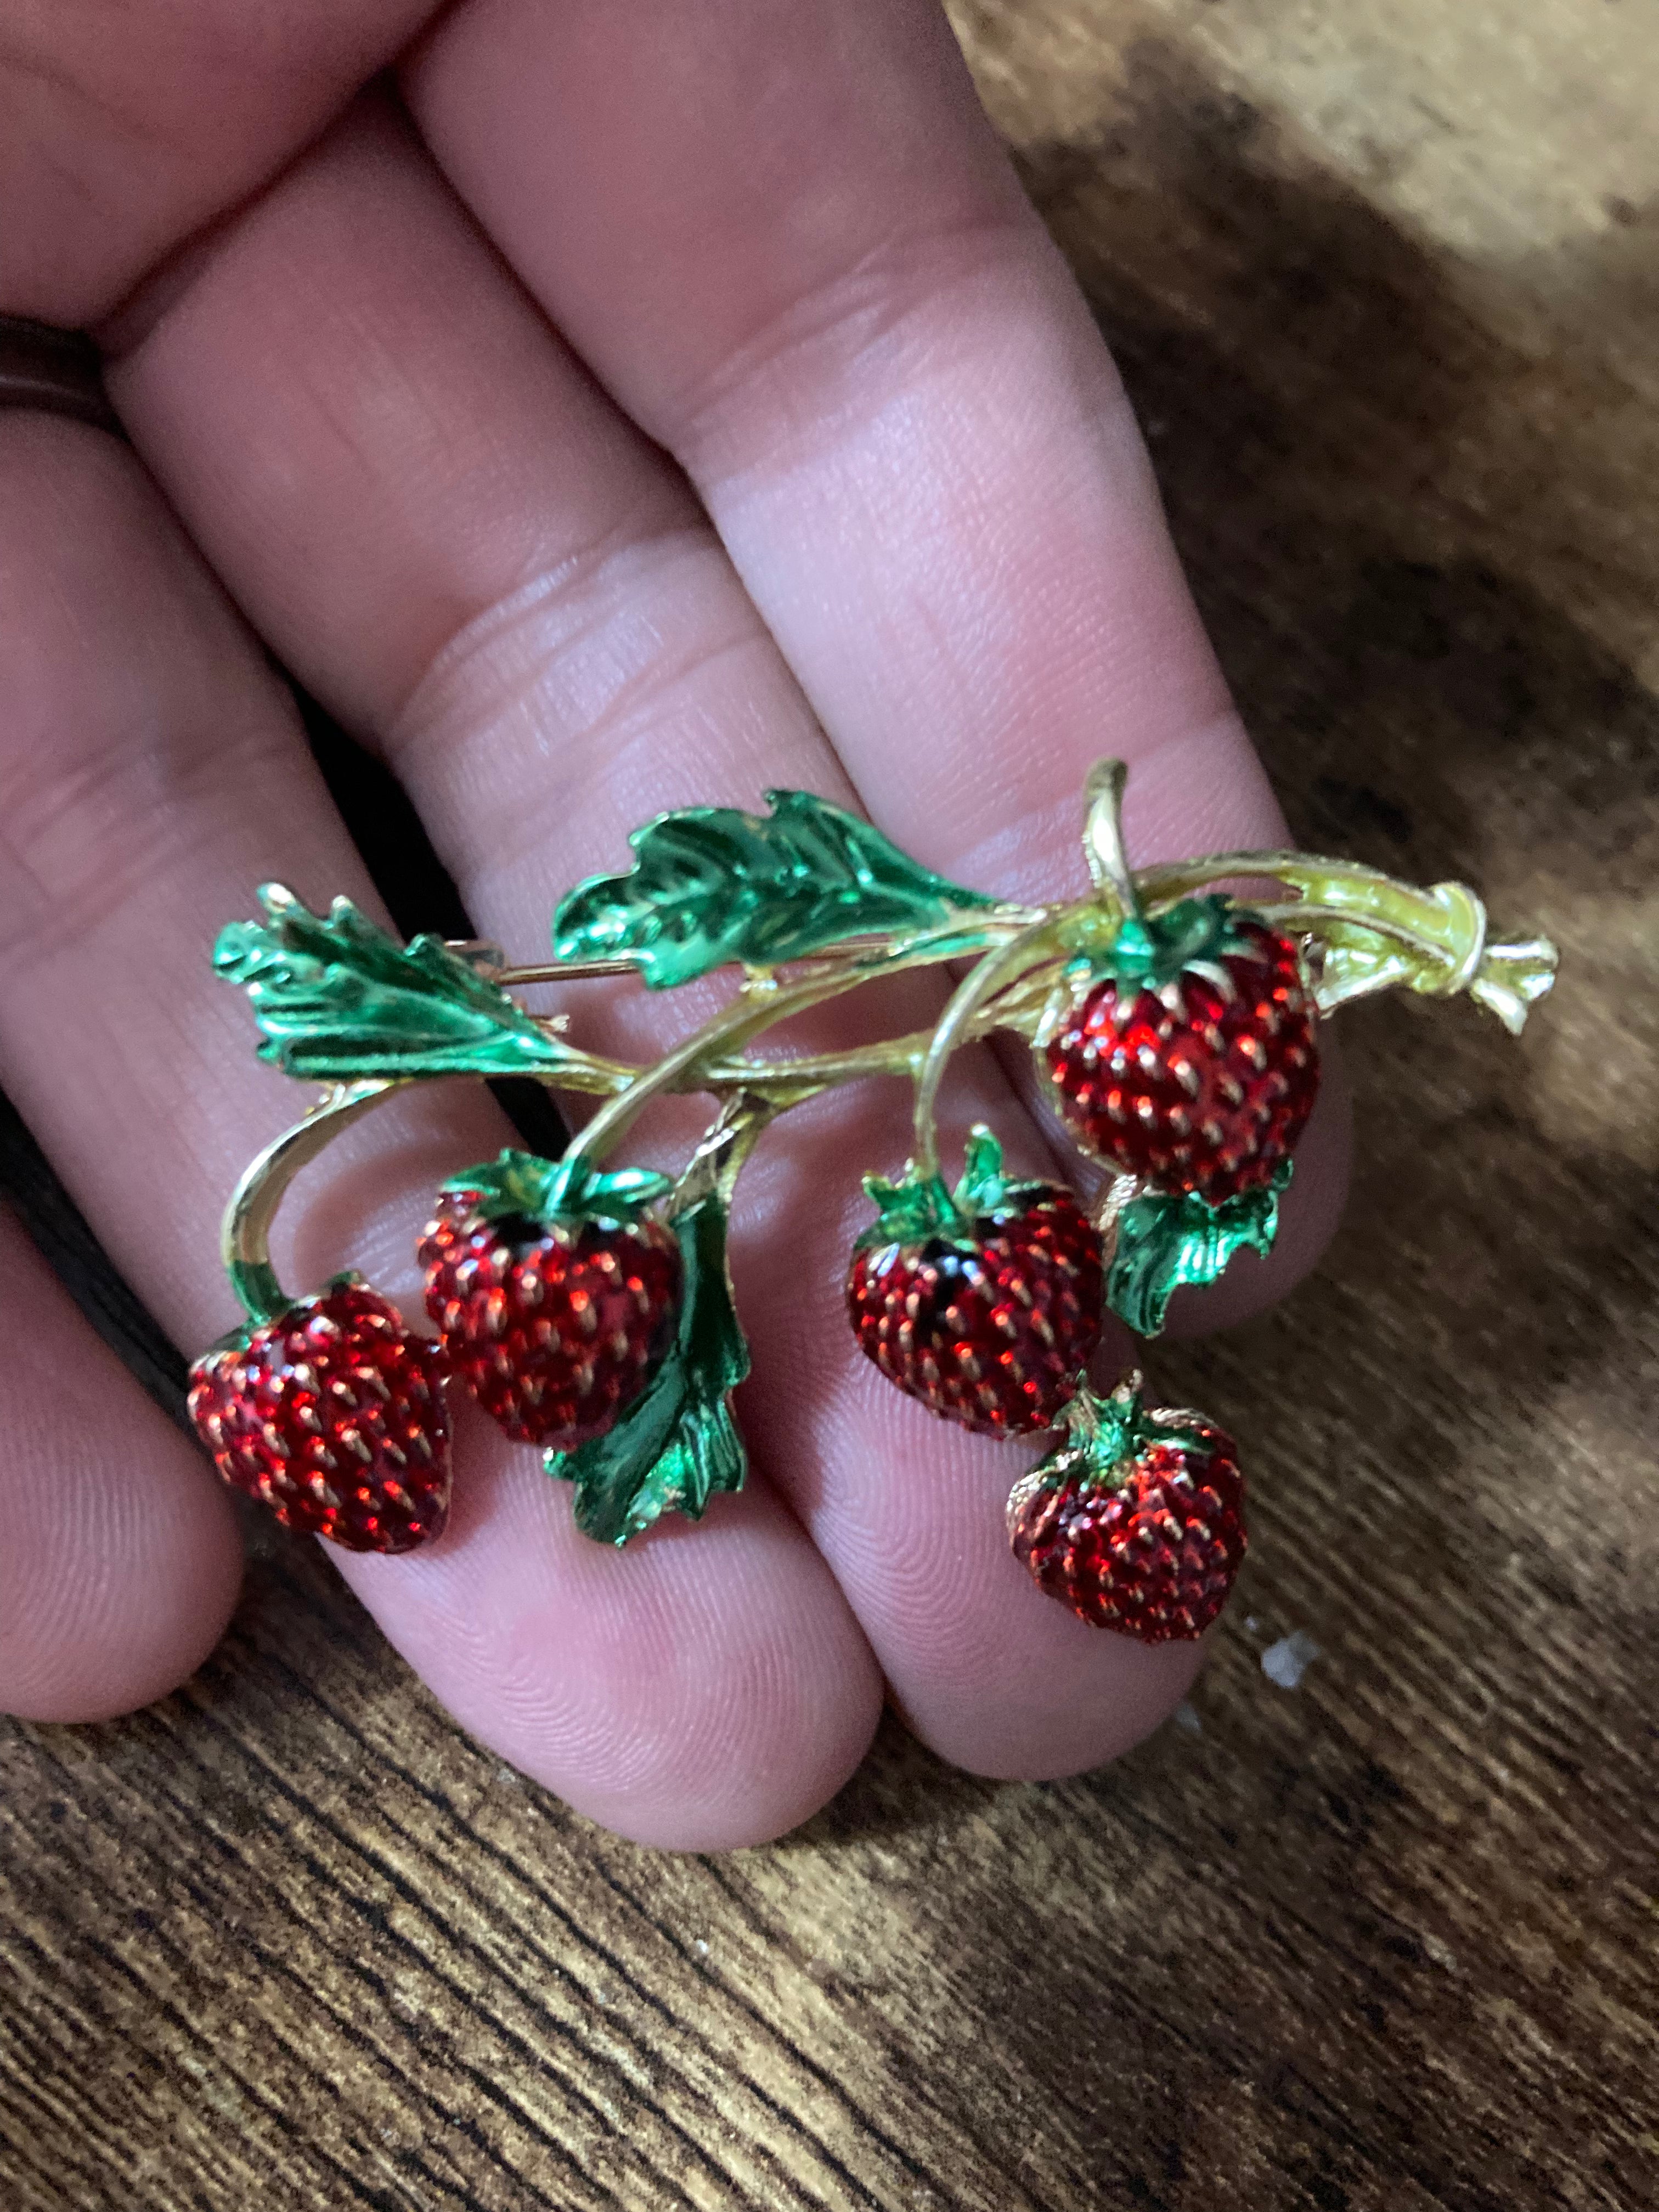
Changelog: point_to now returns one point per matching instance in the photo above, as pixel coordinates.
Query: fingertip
(121, 1559)
(1060, 1697)
(117, 1626)
(704, 1688)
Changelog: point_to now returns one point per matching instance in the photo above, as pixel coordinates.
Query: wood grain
(1382, 1944)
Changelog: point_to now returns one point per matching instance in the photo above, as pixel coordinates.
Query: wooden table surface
(1385, 281)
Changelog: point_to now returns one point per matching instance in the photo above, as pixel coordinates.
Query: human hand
(672, 402)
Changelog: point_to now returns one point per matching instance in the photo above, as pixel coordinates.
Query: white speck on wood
(1286, 1661)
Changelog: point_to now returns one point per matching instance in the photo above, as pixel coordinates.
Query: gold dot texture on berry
(1153, 1555)
(994, 1333)
(554, 1329)
(1202, 1086)
(333, 1417)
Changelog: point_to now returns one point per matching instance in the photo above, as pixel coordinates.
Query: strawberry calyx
(922, 1209)
(1102, 1438)
(1151, 952)
(279, 1311)
(522, 1188)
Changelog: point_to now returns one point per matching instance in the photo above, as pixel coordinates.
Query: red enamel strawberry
(332, 1415)
(1184, 1052)
(986, 1305)
(555, 1291)
(1180, 1045)
(1136, 1519)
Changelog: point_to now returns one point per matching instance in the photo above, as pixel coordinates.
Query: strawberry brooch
(588, 1309)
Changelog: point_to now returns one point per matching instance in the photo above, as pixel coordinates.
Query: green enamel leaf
(677, 1444)
(711, 885)
(338, 999)
(1164, 1242)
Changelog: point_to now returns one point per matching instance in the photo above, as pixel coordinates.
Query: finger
(121, 1560)
(428, 509)
(843, 318)
(123, 130)
(704, 1693)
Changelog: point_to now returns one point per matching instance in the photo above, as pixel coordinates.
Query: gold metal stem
(563, 971)
(997, 969)
(721, 1157)
(683, 1067)
(1431, 920)
(763, 1088)
(1102, 833)
(790, 1082)
(746, 1018)
(245, 1232)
